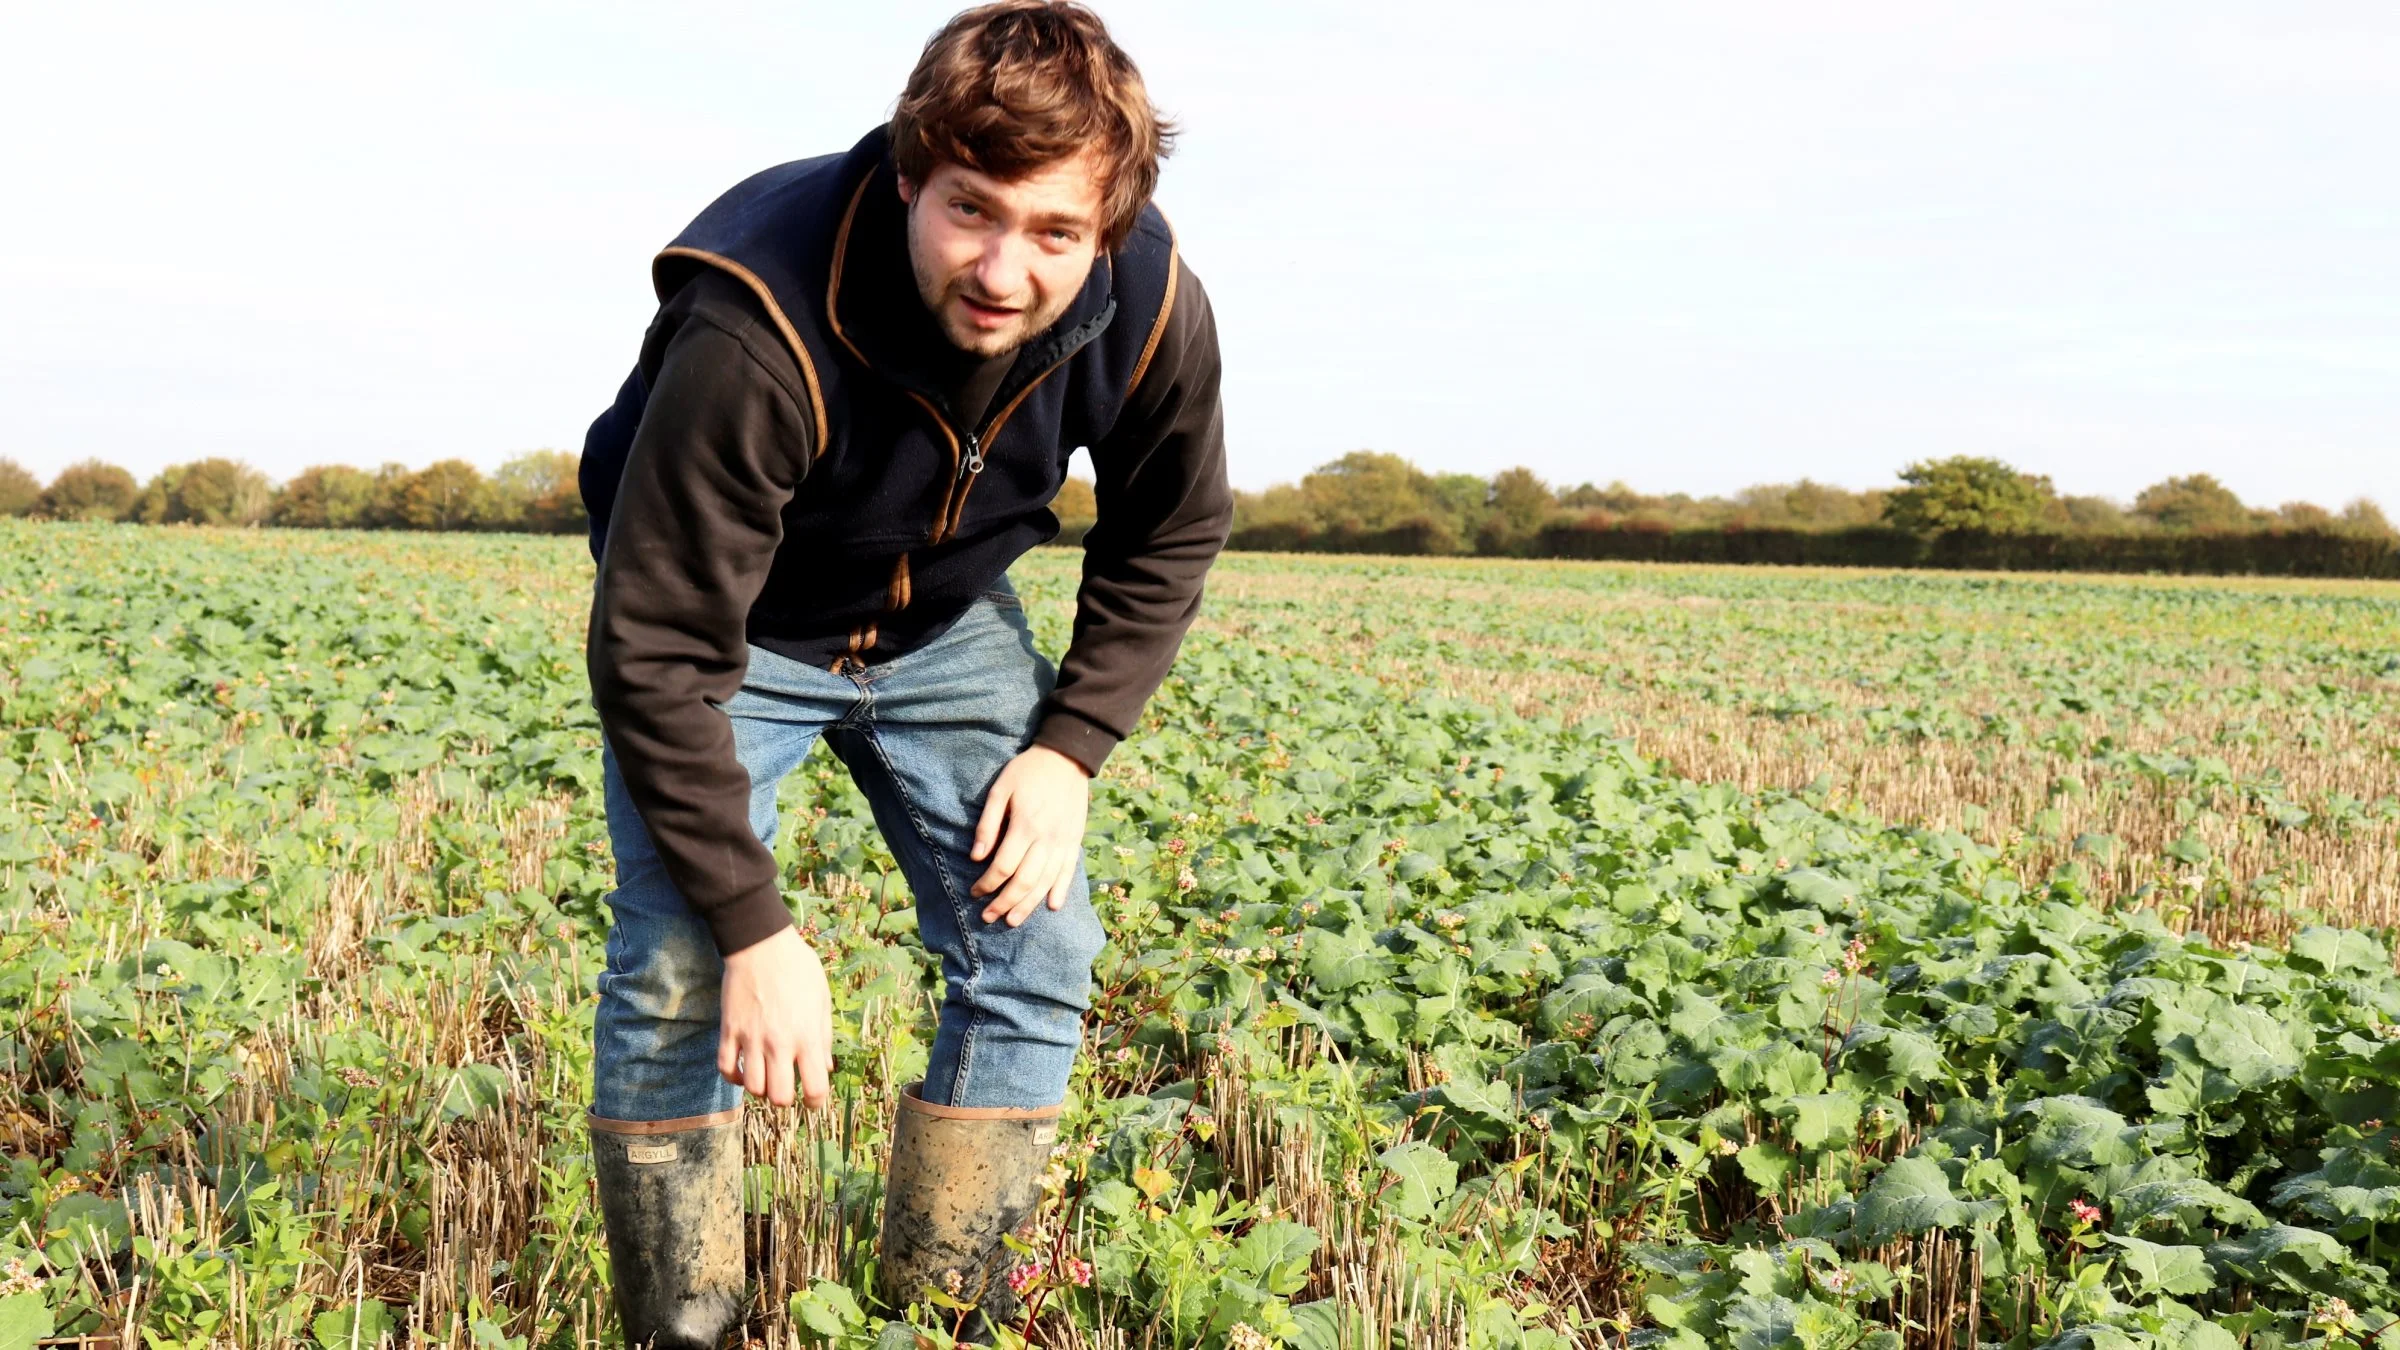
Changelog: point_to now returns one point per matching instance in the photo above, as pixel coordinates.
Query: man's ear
(908, 190)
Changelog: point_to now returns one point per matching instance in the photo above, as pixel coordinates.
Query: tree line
(1365, 495)
(1963, 511)
(535, 491)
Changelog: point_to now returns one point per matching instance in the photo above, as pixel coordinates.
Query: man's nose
(1002, 270)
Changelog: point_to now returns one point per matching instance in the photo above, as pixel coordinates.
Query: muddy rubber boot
(671, 1200)
(961, 1178)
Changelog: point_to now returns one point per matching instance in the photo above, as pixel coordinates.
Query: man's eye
(1062, 236)
(965, 208)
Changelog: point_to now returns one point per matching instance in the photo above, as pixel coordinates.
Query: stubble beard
(937, 293)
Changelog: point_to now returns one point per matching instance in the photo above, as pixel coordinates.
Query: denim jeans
(923, 735)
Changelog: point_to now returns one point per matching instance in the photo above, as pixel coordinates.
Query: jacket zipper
(969, 455)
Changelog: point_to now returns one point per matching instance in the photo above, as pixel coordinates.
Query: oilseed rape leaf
(1819, 1118)
(2076, 1132)
(474, 1089)
(1910, 1195)
(1422, 1177)
(1338, 961)
(1276, 1254)
(2279, 1252)
(1492, 1099)
(2162, 1269)
(2331, 950)
(353, 1326)
(24, 1321)
(2252, 1047)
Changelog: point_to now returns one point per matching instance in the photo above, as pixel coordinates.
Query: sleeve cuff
(1077, 738)
(748, 921)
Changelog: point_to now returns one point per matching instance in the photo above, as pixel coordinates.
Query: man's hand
(1043, 796)
(777, 1010)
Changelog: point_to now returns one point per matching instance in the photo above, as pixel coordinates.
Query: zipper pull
(973, 463)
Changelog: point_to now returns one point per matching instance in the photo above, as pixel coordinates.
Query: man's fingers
(729, 1056)
(815, 1060)
(754, 1068)
(1019, 876)
(1024, 893)
(779, 1076)
(1005, 862)
(987, 828)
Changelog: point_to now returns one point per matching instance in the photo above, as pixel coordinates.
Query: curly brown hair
(1007, 88)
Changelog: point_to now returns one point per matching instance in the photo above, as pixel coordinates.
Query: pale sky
(1691, 246)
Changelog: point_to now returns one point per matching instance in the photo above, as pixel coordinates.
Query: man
(851, 413)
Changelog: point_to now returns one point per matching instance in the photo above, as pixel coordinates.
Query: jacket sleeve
(1164, 510)
(698, 516)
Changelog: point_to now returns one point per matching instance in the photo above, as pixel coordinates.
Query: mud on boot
(671, 1201)
(961, 1179)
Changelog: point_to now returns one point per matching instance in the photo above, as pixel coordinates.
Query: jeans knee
(1053, 962)
(663, 977)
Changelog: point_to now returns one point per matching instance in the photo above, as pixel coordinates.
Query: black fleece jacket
(724, 444)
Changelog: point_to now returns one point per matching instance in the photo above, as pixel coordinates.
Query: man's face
(998, 260)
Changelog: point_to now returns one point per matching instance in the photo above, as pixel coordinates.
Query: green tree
(1968, 492)
(2303, 516)
(205, 492)
(2365, 517)
(1520, 504)
(383, 507)
(448, 494)
(538, 491)
(19, 489)
(1616, 499)
(1364, 490)
(1283, 504)
(1807, 505)
(89, 490)
(326, 497)
(1075, 503)
(2193, 502)
(2090, 515)
(1458, 502)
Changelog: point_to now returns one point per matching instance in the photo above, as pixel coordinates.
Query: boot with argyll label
(671, 1201)
(960, 1180)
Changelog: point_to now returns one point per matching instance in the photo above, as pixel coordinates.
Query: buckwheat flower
(1837, 1280)
(1831, 977)
(1077, 1270)
(1022, 1278)
(1184, 880)
(2085, 1212)
(1243, 1336)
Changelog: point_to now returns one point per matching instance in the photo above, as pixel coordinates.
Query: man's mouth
(987, 315)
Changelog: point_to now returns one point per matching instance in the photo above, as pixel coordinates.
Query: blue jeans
(923, 735)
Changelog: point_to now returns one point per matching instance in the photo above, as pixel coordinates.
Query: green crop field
(1503, 954)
